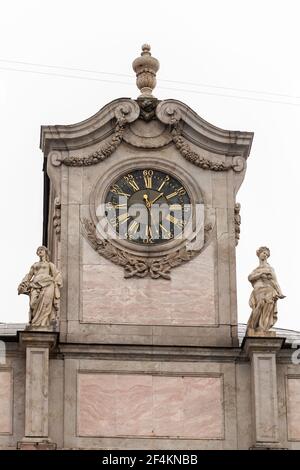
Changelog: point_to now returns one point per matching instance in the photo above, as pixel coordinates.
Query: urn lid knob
(145, 68)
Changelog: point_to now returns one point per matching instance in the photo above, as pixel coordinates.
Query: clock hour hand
(147, 201)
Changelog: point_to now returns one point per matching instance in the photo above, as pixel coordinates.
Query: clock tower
(141, 220)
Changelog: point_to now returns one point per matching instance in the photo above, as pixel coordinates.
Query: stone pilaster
(37, 345)
(262, 353)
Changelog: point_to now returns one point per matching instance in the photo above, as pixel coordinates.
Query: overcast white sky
(215, 48)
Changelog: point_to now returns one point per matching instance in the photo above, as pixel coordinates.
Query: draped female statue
(263, 299)
(42, 284)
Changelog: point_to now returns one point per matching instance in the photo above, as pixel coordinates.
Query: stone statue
(42, 284)
(263, 299)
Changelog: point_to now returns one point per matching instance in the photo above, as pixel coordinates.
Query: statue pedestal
(48, 329)
(262, 334)
(37, 345)
(262, 353)
(35, 444)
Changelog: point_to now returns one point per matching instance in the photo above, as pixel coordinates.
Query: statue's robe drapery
(263, 301)
(44, 293)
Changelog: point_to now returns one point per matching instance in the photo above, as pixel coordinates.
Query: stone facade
(151, 361)
(149, 397)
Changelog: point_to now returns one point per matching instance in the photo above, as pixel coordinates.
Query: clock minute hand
(154, 200)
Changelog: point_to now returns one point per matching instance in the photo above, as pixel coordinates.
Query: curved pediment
(147, 123)
(91, 130)
(202, 133)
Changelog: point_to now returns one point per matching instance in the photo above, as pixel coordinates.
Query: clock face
(147, 206)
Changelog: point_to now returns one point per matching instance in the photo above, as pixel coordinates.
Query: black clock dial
(148, 206)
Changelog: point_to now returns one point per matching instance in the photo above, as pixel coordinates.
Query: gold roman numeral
(123, 218)
(132, 229)
(169, 234)
(179, 192)
(175, 221)
(131, 182)
(117, 190)
(148, 178)
(166, 179)
(113, 205)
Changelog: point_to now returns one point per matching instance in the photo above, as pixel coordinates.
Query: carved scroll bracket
(168, 113)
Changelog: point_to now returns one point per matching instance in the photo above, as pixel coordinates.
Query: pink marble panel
(134, 405)
(96, 405)
(145, 405)
(5, 402)
(168, 396)
(293, 415)
(188, 299)
(203, 407)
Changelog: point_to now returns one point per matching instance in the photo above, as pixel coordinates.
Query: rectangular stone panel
(293, 408)
(36, 422)
(6, 398)
(146, 405)
(265, 397)
(187, 299)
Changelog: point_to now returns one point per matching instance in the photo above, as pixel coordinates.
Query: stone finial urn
(145, 68)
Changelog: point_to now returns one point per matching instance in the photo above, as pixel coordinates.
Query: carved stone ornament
(145, 68)
(147, 108)
(140, 266)
(42, 284)
(236, 163)
(237, 222)
(57, 217)
(124, 114)
(193, 157)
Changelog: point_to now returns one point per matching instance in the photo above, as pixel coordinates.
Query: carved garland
(103, 153)
(137, 266)
(193, 157)
(237, 222)
(57, 217)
